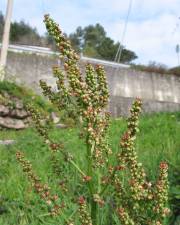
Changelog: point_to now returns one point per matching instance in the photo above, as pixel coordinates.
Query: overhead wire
(120, 48)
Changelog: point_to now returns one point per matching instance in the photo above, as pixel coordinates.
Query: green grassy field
(159, 139)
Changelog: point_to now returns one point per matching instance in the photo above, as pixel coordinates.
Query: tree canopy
(22, 33)
(93, 41)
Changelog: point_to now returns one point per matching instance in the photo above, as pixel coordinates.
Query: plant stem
(77, 167)
(94, 210)
(74, 164)
(89, 165)
(107, 185)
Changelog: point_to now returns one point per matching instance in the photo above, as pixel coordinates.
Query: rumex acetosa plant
(122, 187)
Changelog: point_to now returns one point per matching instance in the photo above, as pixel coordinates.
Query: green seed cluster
(47, 91)
(64, 45)
(63, 91)
(103, 87)
(70, 58)
(129, 155)
(37, 118)
(60, 98)
(91, 94)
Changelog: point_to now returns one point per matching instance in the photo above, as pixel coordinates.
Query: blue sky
(153, 29)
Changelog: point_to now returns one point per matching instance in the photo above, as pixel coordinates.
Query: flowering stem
(78, 169)
(94, 208)
(107, 185)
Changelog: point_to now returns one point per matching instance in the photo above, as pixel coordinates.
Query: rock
(12, 112)
(4, 110)
(8, 122)
(19, 104)
(61, 125)
(19, 114)
(27, 120)
(6, 95)
(2, 99)
(7, 142)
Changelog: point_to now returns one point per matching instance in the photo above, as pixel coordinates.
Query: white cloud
(151, 39)
(156, 6)
(140, 8)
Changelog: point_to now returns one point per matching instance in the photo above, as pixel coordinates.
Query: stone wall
(159, 92)
(12, 112)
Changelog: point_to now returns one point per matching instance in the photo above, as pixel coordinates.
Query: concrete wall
(159, 92)
(28, 69)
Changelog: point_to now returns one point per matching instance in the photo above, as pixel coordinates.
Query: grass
(26, 95)
(158, 140)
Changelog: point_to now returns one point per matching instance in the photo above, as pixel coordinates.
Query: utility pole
(5, 40)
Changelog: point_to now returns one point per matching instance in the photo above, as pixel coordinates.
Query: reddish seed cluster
(161, 193)
(87, 178)
(124, 217)
(99, 200)
(54, 147)
(84, 216)
(43, 190)
(118, 188)
(143, 195)
(97, 130)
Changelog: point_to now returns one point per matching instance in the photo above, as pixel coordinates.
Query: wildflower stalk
(91, 97)
(161, 194)
(136, 200)
(42, 189)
